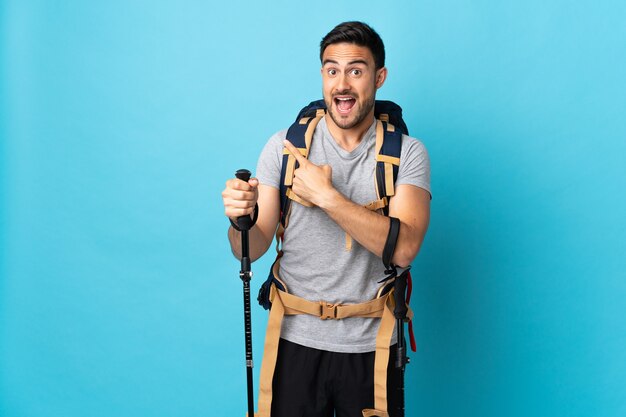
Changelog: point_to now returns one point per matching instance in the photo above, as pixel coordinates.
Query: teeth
(344, 99)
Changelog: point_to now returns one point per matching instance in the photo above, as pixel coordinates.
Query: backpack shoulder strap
(389, 130)
(300, 134)
(388, 149)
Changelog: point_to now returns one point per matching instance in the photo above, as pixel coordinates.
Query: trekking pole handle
(400, 286)
(400, 312)
(245, 222)
(243, 174)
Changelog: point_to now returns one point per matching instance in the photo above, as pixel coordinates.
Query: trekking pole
(400, 312)
(244, 224)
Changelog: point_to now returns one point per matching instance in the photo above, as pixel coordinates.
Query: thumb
(253, 182)
(327, 170)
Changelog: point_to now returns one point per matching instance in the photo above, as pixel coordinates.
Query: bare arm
(411, 205)
(239, 199)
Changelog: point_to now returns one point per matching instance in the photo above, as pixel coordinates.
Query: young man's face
(349, 84)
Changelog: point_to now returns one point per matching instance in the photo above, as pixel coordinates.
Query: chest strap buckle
(328, 311)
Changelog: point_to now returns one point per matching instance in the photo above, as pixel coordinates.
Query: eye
(356, 72)
(332, 72)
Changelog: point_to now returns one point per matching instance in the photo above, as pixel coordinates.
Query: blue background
(121, 121)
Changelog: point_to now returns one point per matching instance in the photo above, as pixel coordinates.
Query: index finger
(295, 152)
(241, 185)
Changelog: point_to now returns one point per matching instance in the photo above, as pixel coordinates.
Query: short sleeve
(414, 164)
(270, 161)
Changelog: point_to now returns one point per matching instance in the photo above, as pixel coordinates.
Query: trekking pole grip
(243, 174)
(400, 312)
(401, 308)
(245, 222)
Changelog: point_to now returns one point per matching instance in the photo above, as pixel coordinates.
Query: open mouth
(344, 104)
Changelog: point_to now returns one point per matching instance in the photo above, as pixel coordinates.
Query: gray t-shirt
(316, 264)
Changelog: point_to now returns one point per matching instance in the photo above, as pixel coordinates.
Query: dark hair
(357, 33)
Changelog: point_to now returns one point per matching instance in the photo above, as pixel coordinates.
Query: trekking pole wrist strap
(245, 222)
(390, 243)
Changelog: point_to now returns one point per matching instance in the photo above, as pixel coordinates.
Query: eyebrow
(356, 61)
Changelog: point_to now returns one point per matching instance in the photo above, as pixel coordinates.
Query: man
(326, 366)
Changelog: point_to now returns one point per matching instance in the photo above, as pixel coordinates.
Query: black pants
(317, 383)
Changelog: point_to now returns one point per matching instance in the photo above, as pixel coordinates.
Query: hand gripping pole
(244, 224)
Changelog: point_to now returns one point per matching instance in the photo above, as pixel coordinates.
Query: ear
(381, 76)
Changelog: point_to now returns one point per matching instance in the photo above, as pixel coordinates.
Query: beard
(356, 119)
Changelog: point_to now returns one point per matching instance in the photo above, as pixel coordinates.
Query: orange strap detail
(291, 164)
(389, 186)
(375, 413)
(308, 135)
(380, 136)
(378, 204)
(272, 337)
(297, 199)
(296, 305)
(348, 242)
(381, 361)
(386, 158)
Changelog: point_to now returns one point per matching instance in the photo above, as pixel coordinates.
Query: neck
(349, 139)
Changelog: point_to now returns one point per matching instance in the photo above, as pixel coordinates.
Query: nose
(343, 84)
